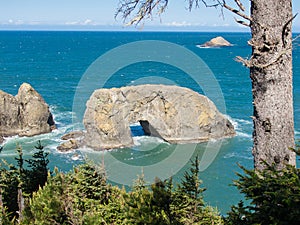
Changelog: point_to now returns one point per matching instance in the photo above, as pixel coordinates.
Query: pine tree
(274, 196)
(188, 204)
(190, 185)
(50, 204)
(37, 174)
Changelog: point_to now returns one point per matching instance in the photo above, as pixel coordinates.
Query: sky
(99, 15)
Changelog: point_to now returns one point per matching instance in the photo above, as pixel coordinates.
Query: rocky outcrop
(25, 114)
(175, 114)
(1, 139)
(73, 140)
(73, 135)
(217, 42)
(68, 145)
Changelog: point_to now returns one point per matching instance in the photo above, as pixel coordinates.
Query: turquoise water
(54, 62)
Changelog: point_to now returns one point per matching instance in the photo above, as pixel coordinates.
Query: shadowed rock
(72, 135)
(175, 114)
(25, 114)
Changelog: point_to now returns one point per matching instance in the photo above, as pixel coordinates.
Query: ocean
(54, 63)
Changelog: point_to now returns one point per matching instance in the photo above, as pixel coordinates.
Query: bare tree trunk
(20, 205)
(272, 88)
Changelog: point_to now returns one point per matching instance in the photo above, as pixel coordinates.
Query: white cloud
(81, 22)
(178, 24)
(87, 22)
(72, 23)
(13, 22)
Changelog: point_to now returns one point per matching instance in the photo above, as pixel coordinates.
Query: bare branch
(135, 11)
(250, 63)
(139, 9)
(235, 11)
(285, 27)
(242, 22)
(196, 3)
(245, 62)
(240, 5)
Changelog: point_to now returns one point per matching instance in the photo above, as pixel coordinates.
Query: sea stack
(217, 42)
(174, 114)
(25, 114)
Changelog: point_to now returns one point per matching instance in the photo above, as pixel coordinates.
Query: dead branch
(240, 5)
(140, 9)
(242, 22)
(237, 12)
(196, 4)
(285, 27)
(245, 62)
(143, 9)
(249, 62)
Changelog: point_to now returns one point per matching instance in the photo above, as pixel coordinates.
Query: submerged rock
(174, 114)
(25, 114)
(217, 42)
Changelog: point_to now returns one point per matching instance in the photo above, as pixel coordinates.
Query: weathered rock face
(217, 42)
(175, 114)
(26, 114)
(73, 140)
(68, 145)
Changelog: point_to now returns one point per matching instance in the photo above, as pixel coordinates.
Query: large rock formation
(217, 42)
(25, 114)
(175, 114)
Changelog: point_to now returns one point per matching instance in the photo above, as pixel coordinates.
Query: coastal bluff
(174, 114)
(25, 114)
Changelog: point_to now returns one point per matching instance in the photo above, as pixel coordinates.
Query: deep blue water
(54, 62)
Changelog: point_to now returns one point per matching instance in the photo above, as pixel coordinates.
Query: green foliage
(38, 169)
(145, 206)
(274, 197)
(5, 217)
(190, 185)
(26, 180)
(79, 197)
(164, 204)
(49, 205)
(9, 181)
(84, 197)
(188, 203)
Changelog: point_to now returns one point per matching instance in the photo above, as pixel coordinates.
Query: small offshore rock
(73, 135)
(216, 42)
(69, 145)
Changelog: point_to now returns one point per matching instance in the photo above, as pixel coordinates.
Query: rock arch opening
(149, 130)
(143, 128)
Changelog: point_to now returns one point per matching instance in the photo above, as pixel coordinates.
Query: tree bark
(272, 87)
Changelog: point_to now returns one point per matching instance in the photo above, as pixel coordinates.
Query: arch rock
(175, 114)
